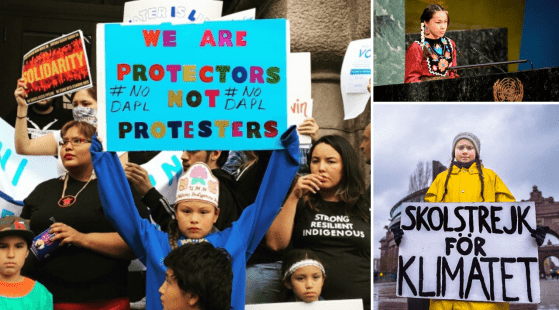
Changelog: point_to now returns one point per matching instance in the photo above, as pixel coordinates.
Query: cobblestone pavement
(384, 297)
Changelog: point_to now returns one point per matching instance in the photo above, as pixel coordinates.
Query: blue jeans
(263, 283)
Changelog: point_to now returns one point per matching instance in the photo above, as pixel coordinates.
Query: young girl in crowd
(303, 275)
(196, 211)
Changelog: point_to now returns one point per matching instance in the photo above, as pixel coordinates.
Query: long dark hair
(351, 188)
(425, 17)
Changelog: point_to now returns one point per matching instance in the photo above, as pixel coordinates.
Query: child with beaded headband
(195, 211)
(303, 275)
(431, 60)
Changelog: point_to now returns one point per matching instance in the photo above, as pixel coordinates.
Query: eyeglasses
(74, 141)
(461, 147)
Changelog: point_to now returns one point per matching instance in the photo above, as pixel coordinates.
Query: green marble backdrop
(389, 45)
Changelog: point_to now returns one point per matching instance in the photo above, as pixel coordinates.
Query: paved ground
(384, 297)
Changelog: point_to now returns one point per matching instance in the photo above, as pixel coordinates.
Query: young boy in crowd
(199, 277)
(17, 291)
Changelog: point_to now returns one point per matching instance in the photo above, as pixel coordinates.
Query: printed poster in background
(192, 87)
(177, 12)
(57, 67)
(299, 101)
(469, 251)
(354, 78)
(19, 175)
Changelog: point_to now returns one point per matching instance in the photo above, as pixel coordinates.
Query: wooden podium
(530, 85)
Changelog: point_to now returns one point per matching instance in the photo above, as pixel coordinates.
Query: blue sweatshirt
(151, 246)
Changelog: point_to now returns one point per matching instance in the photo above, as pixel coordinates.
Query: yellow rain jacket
(464, 186)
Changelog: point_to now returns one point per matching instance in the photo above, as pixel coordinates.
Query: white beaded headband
(303, 263)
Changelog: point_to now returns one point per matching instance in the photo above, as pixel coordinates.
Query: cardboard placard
(354, 78)
(56, 68)
(176, 11)
(299, 104)
(217, 85)
(469, 251)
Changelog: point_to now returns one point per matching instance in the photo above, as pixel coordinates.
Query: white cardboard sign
(346, 304)
(299, 102)
(177, 12)
(354, 77)
(469, 251)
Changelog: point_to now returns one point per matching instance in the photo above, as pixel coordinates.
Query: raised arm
(117, 200)
(44, 145)
(256, 218)
(279, 234)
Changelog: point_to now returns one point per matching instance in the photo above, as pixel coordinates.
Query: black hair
(205, 271)
(222, 158)
(428, 13)
(351, 188)
(292, 257)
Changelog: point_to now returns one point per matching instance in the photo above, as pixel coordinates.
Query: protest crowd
(246, 227)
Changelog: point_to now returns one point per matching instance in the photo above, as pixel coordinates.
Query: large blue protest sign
(217, 85)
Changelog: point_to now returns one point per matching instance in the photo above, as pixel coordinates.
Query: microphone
(487, 58)
(457, 49)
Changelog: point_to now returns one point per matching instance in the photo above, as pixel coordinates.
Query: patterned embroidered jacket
(417, 66)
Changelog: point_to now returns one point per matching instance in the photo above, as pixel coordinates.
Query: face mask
(83, 114)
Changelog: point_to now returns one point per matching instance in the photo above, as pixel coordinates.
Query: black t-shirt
(72, 273)
(42, 124)
(343, 243)
(229, 202)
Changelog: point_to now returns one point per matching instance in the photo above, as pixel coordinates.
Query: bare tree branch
(421, 177)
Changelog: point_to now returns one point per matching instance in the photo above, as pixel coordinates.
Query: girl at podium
(431, 58)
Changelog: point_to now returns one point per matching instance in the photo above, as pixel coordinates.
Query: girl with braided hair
(431, 58)
(196, 210)
(466, 180)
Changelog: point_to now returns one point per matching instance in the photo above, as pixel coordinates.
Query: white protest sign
(346, 304)
(243, 15)
(19, 175)
(163, 170)
(177, 12)
(299, 102)
(354, 78)
(469, 251)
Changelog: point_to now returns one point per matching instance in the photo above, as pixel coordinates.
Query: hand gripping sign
(469, 251)
(217, 85)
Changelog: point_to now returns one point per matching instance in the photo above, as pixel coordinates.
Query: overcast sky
(519, 142)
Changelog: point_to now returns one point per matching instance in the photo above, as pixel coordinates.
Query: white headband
(303, 263)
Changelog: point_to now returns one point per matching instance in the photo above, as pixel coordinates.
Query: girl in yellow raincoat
(467, 181)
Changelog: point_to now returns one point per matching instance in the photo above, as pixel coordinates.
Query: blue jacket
(151, 246)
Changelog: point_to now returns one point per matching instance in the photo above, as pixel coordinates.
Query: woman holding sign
(467, 181)
(327, 213)
(85, 109)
